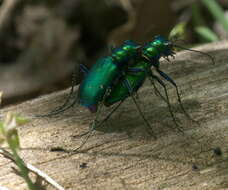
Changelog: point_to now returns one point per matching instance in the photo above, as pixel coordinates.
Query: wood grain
(122, 155)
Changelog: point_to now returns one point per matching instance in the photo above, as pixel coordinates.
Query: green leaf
(21, 120)
(178, 31)
(9, 131)
(197, 17)
(2, 138)
(1, 96)
(216, 12)
(206, 34)
(13, 140)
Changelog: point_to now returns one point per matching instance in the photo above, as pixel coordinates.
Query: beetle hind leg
(154, 77)
(166, 77)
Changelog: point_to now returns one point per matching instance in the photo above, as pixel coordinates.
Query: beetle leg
(95, 121)
(64, 107)
(91, 130)
(70, 95)
(83, 68)
(59, 111)
(128, 86)
(166, 77)
(152, 76)
(157, 92)
(135, 70)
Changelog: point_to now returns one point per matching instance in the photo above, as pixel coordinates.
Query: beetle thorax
(157, 48)
(125, 52)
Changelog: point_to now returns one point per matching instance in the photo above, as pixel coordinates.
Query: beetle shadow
(128, 121)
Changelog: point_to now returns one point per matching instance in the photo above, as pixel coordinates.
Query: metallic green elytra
(104, 73)
(99, 78)
(134, 77)
(126, 52)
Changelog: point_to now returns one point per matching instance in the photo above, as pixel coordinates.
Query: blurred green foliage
(178, 32)
(201, 27)
(9, 136)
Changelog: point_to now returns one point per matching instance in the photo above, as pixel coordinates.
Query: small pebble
(83, 165)
(217, 151)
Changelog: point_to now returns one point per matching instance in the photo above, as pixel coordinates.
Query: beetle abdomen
(95, 84)
(135, 79)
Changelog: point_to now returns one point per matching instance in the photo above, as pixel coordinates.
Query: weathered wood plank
(122, 155)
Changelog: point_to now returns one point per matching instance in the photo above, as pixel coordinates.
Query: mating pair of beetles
(115, 77)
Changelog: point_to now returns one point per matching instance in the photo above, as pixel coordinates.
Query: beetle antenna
(206, 54)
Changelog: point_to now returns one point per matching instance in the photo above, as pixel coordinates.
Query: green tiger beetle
(101, 78)
(135, 75)
(114, 78)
